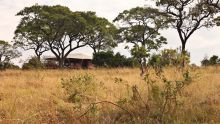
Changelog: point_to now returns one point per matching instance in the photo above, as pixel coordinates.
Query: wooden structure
(73, 61)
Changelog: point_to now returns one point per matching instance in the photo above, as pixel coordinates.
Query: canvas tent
(75, 60)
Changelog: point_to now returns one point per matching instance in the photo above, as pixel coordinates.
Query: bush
(214, 60)
(168, 57)
(33, 63)
(8, 65)
(109, 59)
(79, 88)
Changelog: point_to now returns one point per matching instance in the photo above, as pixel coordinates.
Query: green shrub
(214, 60)
(8, 65)
(33, 63)
(80, 88)
(168, 57)
(109, 59)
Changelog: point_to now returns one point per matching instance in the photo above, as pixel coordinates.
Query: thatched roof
(72, 56)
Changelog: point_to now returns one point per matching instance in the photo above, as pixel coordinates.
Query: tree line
(59, 30)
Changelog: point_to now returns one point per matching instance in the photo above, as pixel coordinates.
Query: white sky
(203, 42)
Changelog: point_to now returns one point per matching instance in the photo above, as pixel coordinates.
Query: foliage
(80, 88)
(214, 60)
(102, 33)
(28, 34)
(168, 57)
(166, 100)
(140, 27)
(188, 16)
(109, 59)
(33, 63)
(8, 65)
(7, 52)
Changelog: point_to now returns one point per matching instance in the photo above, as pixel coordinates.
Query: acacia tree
(102, 33)
(28, 34)
(62, 30)
(188, 16)
(141, 26)
(7, 52)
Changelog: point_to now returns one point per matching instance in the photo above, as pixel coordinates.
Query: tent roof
(73, 56)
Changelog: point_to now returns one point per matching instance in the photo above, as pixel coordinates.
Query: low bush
(109, 59)
(80, 88)
(33, 63)
(8, 65)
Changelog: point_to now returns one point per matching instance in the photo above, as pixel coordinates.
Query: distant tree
(7, 52)
(214, 60)
(9, 65)
(140, 26)
(188, 16)
(140, 52)
(205, 61)
(168, 57)
(102, 59)
(155, 60)
(102, 33)
(63, 30)
(28, 34)
(109, 59)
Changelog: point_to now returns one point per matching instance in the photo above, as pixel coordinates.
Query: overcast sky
(203, 42)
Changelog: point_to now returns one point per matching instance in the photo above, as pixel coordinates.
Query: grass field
(38, 96)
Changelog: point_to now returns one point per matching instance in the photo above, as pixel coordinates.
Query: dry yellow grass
(24, 95)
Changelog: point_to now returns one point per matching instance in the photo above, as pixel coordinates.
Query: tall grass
(38, 96)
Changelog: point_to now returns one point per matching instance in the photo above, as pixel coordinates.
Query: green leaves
(140, 27)
(139, 52)
(101, 35)
(7, 52)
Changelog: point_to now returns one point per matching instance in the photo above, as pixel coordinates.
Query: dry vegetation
(38, 96)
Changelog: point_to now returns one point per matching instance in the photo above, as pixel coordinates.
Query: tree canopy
(28, 34)
(187, 16)
(140, 27)
(102, 33)
(168, 57)
(7, 52)
(213, 60)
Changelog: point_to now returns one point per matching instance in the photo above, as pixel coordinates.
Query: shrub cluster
(33, 63)
(214, 60)
(109, 59)
(8, 65)
(169, 57)
(79, 87)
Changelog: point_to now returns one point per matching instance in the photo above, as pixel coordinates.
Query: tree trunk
(183, 53)
(94, 49)
(145, 62)
(141, 67)
(0, 58)
(38, 57)
(61, 62)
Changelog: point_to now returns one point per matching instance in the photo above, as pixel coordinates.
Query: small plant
(167, 98)
(33, 63)
(79, 88)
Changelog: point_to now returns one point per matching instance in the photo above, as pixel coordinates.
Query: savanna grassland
(107, 96)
